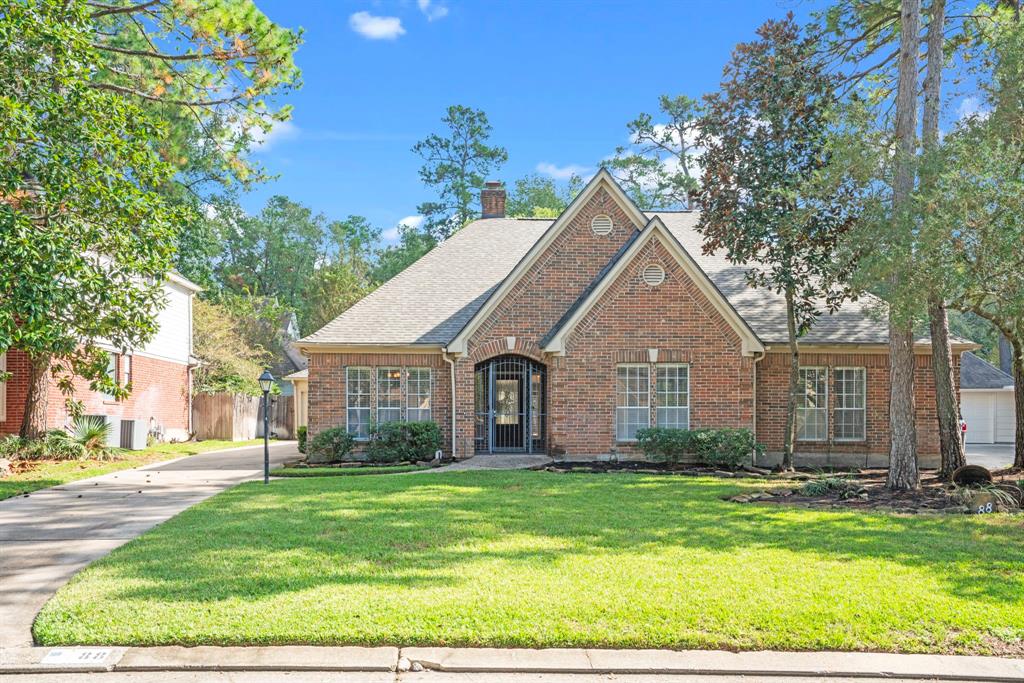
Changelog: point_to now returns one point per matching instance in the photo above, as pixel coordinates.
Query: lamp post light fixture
(266, 381)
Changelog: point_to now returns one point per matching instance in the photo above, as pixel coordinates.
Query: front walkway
(994, 456)
(498, 461)
(50, 534)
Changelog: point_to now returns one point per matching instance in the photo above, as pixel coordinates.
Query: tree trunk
(1018, 401)
(794, 383)
(946, 408)
(903, 472)
(948, 412)
(33, 422)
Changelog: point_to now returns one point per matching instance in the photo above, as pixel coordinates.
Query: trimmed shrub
(727, 448)
(330, 445)
(300, 434)
(403, 441)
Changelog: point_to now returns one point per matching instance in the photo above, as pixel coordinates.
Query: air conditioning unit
(133, 434)
(114, 435)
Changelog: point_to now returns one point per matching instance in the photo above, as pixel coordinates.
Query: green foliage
(535, 196)
(85, 232)
(53, 445)
(92, 432)
(300, 434)
(843, 486)
(658, 169)
(330, 445)
(230, 362)
(345, 471)
(718, 447)
(392, 260)
(456, 166)
(403, 441)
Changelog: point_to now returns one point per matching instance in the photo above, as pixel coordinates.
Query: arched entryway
(510, 404)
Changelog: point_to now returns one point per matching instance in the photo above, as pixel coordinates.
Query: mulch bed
(861, 490)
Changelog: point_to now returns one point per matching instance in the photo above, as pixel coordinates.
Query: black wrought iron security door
(510, 404)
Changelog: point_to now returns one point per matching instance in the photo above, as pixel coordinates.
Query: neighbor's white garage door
(989, 415)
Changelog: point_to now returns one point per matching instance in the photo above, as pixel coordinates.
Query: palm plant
(92, 432)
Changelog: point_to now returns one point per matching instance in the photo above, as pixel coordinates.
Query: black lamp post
(266, 381)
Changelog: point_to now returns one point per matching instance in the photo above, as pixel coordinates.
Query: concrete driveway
(49, 535)
(991, 455)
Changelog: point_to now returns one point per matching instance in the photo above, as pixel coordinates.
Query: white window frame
(863, 375)
(414, 411)
(3, 389)
(358, 410)
(387, 403)
(622, 406)
(822, 408)
(658, 393)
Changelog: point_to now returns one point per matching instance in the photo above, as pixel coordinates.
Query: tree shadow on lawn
(420, 531)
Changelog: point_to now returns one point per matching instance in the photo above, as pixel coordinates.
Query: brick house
(566, 336)
(160, 374)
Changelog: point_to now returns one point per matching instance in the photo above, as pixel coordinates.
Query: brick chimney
(492, 199)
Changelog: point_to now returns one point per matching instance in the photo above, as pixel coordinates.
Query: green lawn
(542, 560)
(49, 473)
(342, 471)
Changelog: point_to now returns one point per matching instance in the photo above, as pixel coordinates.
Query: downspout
(451, 364)
(753, 412)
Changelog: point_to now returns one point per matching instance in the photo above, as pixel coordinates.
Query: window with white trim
(357, 402)
(389, 395)
(812, 405)
(672, 395)
(417, 395)
(632, 400)
(851, 402)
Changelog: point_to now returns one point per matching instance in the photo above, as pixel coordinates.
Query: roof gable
(602, 180)
(978, 373)
(555, 340)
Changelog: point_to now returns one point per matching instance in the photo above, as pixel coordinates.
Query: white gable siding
(173, 340)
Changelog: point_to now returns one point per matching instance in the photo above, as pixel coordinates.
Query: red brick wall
(327, 386)
(160, 390)
(773, 384)
(540, 298)
(632, 317)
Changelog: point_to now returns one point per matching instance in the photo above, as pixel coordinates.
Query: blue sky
(559, 80)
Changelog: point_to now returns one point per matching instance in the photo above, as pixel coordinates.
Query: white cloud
(971, 106)
(281, 130)
(563, 172)
(374, 27)
(431, 10)
(411, 222)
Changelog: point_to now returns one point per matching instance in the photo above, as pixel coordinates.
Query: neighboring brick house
(567, 336)
(160, 374)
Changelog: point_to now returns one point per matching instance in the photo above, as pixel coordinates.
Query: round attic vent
(654, 275)
(601, 224)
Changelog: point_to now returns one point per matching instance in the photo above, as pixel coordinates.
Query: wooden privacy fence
(282, 417)
(225, 416)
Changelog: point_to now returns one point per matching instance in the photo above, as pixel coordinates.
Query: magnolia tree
(784, 172)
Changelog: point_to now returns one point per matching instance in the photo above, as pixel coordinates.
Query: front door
(509, 399)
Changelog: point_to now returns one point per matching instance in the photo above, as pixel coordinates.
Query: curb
(756, 664)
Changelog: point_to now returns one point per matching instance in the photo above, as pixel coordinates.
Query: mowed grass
(47, 473)
(343, 471)
(540, 559)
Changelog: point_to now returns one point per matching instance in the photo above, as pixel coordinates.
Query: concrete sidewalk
(50, 534)
(501, 664)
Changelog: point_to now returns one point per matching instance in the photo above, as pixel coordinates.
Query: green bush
(54, 445)
(300, 434)
(399, 441)
(330, 445)
(92, 433)
(728, 448)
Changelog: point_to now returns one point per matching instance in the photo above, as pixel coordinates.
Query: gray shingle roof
(431, 301)
(978, 373)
